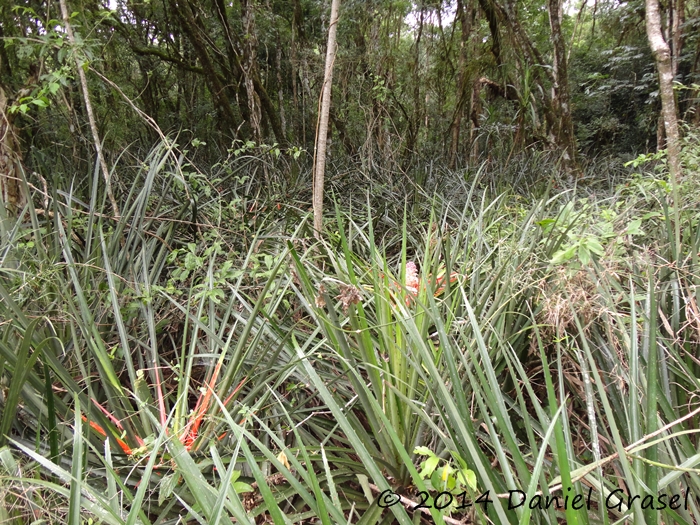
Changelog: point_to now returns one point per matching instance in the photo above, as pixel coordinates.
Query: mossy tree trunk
(561, 104)
(11, 194)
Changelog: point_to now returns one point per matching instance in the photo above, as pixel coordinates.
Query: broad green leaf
(564, 255)
(429, 466)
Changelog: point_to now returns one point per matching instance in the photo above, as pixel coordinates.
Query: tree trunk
(280, 85)
(414, 135)
(677, 22)
(490, 11)
(297, 35)
(241, 96)
(474, 112)
(464, 15)
(564, 131)
(556, 103)
(11, 195)
(662, 55)
(322, 132)
(249, 63)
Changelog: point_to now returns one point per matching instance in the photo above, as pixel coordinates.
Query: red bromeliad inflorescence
(191, 430)
(413, 285)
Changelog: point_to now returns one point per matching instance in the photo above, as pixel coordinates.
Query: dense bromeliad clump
(229, 367)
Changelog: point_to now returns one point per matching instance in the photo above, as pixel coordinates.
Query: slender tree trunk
(235, 71)
(678, 19)
(88, 109)
(660, 133)
(662, 55)
(377, 129)
(297, 41)
(280, 85)
(322, 131)
(560, 92)
(464, 15)
(414, 136)
(474, 112)
(249, 63)
(556, 102)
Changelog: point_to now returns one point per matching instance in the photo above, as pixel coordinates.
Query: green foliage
(443, 475)
(591, 230)
(202, 358)
(435, 356)
(42, 47)
(646, 158)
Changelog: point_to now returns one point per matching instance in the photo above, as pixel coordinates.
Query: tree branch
(153, 51)
(88, 108)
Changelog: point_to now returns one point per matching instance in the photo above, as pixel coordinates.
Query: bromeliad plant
(455, 355)
(363, 320)
(427, 366)
(91, 335)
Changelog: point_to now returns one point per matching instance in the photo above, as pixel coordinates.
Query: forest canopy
(460, 81)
